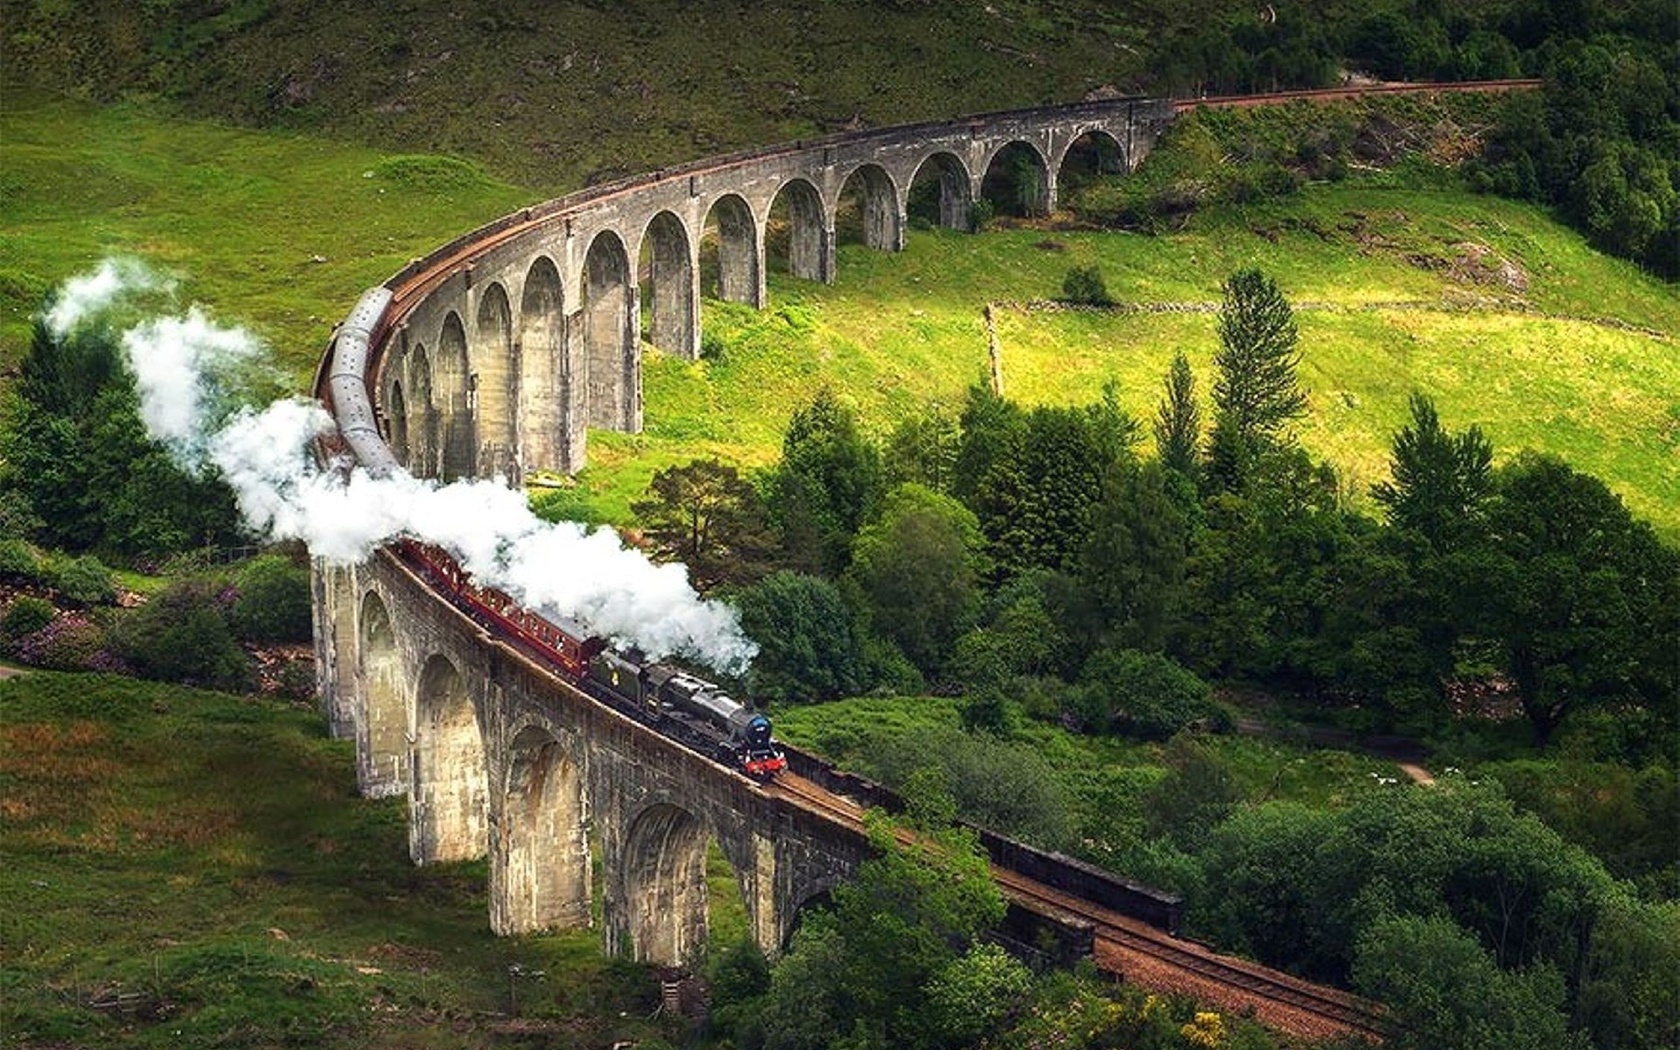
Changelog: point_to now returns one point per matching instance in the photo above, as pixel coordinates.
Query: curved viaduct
(530, 331)
(494, 356)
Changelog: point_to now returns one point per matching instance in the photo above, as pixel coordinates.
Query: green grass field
(189, 869)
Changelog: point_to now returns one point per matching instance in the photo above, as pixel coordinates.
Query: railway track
(1129, 948)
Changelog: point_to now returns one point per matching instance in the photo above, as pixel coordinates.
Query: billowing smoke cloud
(183, 366)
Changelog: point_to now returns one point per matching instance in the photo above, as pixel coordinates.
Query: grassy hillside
(189, 869)
(1507, 318)
(274, 230)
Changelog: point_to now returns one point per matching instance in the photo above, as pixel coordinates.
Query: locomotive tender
(683, 706)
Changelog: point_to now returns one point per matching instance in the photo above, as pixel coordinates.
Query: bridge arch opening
(458, 454)
(547, 384)
(396, 419)
(493, 385)
(663, 885)
(670, 292)
(422, 413)
(382, 746)
(817, 903)
(729, 261)
(1093, 155)
(447, 801)
(539, 875)
(867, 210)
(796, 234)
(1017, 182)
(940, 193)
(611, 335)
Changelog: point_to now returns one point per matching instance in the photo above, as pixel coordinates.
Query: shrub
(68, 643)
(1146, 694)
(26, 615)
(182, 635)
(1084, 285)
(273, 601)
(18, 561)
(85, 581)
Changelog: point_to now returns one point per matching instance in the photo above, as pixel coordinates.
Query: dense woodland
(1151, 581)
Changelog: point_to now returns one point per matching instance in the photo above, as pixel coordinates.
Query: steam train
(690, 710)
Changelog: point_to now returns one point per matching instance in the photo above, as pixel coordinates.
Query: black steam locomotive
(694, 712)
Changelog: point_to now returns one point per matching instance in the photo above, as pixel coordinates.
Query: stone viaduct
(536, 332)
(495, 355)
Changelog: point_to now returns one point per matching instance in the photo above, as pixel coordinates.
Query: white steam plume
(90, 293)
(182, 365)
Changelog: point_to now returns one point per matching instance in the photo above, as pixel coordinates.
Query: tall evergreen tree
(1441, 482)
(1178, 421)
(826, 486)
(1255, 391)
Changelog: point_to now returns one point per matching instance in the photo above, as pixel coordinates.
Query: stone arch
(940, 192)
(798, 233)
(548, 424)
(671, 290)
(868, 209)
(821, 899)
(494, 385)
(396, 419)
(1088, 156)
(422, 413)
(447, 799)
(612, 363)
(382, 765)
(539, 872)
(1017, 181)
(453, 382)
(663, 885)
(732, 254)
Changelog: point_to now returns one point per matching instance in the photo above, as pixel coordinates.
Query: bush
(18, 561)
(273, 601)
(1146, 694)
(183, 636)
(85, 581)
(1084, 285)
(68, 643)
(26, 615)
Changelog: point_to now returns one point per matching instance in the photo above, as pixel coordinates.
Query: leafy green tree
(1134, 558)
(1035, 501)
(74, 447)
(826, 486)
(1626, 997)
(923, 449)
(807, 635)
(1444, 992)
(861, 974)
(1255, 391)
(997, 783)
(705, 515)
(1580, 596)
(1178, 422)
(991, 431)
(919, 568)
(1441, 483)
(1144, 693)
